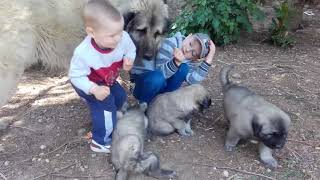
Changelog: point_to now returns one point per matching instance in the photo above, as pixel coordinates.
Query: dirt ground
(48, 121)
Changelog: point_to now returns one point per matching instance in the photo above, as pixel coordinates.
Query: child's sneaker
(94, 146)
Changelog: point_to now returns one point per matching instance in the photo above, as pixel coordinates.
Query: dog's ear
(128, 17)
(256, 127)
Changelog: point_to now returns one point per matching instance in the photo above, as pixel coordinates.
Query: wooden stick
(80, 177)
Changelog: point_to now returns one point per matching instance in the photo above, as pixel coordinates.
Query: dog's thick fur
(147, 22)
(251, 116)
(169, 111)
(48, 31)
(127, 154)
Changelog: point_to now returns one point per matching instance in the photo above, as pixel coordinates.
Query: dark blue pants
(103, 113)
(150, 84)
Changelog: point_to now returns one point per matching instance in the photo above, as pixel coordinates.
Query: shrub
(280, 24)
(222, 19)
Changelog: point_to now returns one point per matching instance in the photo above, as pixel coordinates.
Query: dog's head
(147, 28)
(272, 133)
(201, 96)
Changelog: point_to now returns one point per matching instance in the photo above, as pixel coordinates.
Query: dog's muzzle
(205, 104)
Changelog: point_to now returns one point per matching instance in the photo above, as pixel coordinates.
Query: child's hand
(212, 50)
(100, 92)
(127, 64)
(178, 56)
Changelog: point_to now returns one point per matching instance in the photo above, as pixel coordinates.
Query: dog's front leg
(188, 128)
(232, 140)
(266, 156)
(180, 125)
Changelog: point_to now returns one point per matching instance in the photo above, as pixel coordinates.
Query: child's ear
(90, 31)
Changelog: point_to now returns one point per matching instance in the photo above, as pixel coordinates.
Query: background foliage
(223, 20)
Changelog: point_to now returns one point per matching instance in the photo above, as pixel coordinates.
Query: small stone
(317, 148)
(39, 159)
(1, 148)
(47, 160)
(40, 120)
(254, 141)
(225, 173)
(41, 154)
(268, 170)
(34, 159)
(4, 125)
(81, 132)
(6, 163)
(236, 75)
(162, 141)
(86, 167)
(93, 155)
(43, 147)
(81, 169)
(57, 155)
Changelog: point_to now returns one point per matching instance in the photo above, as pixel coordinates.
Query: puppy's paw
(184, 133)
(228, 147)
(168, 174)
(189, 131)
(270, 162)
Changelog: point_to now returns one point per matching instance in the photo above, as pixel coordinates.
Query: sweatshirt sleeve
(164, 58)
(78, 74)
(130, 48)
(198, 73)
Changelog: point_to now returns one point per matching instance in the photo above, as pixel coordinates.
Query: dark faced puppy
(251, 116)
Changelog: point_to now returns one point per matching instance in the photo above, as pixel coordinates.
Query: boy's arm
(164, 59)
(198, 73)
(78, 75)
(130, 48)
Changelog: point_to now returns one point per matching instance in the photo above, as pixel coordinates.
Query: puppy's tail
(224, 77)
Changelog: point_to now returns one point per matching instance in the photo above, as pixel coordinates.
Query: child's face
(109, 35)
(191, 47)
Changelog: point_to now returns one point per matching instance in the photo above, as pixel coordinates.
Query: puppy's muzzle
(205, 104)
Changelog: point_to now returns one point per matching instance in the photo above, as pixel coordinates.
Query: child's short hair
(96, 11)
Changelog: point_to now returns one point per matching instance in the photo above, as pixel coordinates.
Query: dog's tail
(224, 77)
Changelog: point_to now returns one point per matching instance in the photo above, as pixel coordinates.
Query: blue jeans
(150, 84)
(103, 113)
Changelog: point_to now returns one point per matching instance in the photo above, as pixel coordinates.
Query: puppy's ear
(128, 17)
(256, 127)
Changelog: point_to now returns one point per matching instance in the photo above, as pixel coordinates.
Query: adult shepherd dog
(30, 33)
